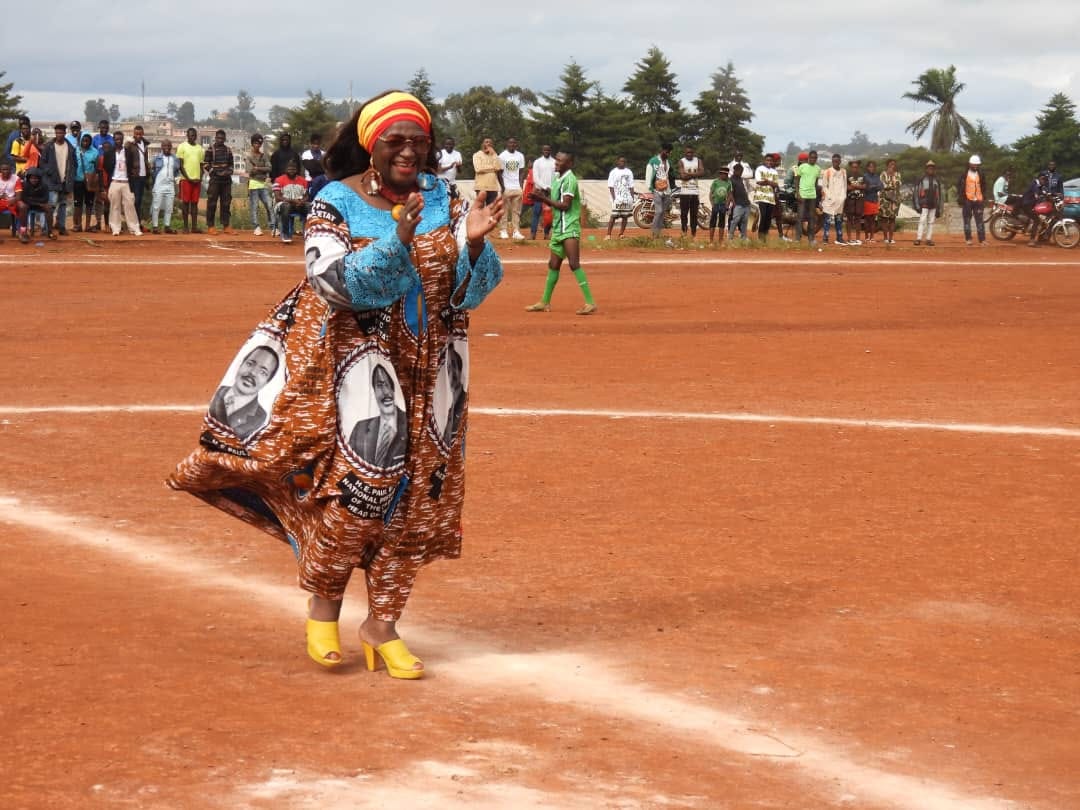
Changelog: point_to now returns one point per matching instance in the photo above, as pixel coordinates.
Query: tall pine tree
(9, 106)
(1057, 139)
(654, 94)
(719, 125)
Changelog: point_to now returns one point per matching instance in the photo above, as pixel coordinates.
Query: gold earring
(371, 181)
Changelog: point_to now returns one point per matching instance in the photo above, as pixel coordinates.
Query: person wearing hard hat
(973, 192)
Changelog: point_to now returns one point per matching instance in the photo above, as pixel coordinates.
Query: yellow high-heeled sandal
(399, 661)
(323, 639)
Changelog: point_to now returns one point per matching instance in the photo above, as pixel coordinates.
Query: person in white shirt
(766, 184)
(513, 175)
(747, 172)
(690, 169)
(449, 160)
(166, 172)
(543, 172)
(620, 183)
(121, 199)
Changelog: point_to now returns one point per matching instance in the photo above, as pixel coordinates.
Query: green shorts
(556, 243)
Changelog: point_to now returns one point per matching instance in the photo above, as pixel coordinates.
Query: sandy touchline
(757, 418)
(582, 682)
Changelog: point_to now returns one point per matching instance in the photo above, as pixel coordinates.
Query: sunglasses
(419, 143)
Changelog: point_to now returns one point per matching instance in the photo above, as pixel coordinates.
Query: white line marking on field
(691, 416)
(580, 681)
(244, 252)
(627, 261)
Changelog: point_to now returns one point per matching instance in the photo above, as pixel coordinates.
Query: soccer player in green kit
(565, 201)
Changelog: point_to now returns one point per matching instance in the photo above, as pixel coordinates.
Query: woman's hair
(346, 157)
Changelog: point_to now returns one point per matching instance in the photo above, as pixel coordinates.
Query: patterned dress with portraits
(356, 464)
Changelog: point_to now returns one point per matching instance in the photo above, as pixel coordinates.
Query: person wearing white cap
(973, 192)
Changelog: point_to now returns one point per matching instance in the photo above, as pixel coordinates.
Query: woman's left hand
(483, 219)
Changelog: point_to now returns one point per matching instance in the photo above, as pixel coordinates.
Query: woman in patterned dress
(353, 462)
(889, 201)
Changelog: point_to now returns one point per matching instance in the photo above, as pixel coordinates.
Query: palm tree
(940, 88)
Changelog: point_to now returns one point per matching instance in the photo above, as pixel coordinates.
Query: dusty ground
(689, 607)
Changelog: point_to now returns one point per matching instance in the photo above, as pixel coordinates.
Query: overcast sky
(814, 71)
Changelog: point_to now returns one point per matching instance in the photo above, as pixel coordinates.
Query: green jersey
(566, 224)
(719, 192)
(808, 175)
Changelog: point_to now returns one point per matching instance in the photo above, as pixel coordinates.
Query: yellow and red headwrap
(382, 113)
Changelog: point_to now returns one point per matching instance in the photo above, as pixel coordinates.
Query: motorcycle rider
(971, 191)
(1038, 190)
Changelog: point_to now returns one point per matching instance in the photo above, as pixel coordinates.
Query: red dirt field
(773, 529)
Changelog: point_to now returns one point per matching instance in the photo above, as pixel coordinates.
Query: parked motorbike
(1009, 218)
(644, 213)
(789, 213)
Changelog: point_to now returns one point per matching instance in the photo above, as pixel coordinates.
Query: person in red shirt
(290, 197)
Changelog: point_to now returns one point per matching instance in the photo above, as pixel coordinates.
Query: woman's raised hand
(483, 219)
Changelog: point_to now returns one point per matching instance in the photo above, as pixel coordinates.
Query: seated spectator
(10, 192)
(290, 195)
(34, 202)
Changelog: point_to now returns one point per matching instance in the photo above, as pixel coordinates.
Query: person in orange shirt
(972, 192)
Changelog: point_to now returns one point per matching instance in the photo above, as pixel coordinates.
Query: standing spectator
(58, 168)
(871, 206)
(929, 202)
(74, 135)
(103, 135)
(766, 185)
(449, 161)
(311, 159)
(972, 192)
(565, 200)
(747, 171)
(512, 163)
(543, 176)
(740, 208)
(620, 183)
(115, 167)
(690, 169)
(283, 155)
(22, 130)
(220, 163)
(807, 175)
(27, 151)
(191, 156)
(141, 169)
(1056, 185)
(720, 199)
(86, 184)
(16, 144)
(259, 182)
(1001, 186)
(488, 171)
(855, 204)
(890, 201)
(290, 194)
(658, 180)
(834, 194)
(166, 172)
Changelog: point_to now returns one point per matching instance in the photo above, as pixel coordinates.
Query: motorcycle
(1009, 218)
(644, 213)
(789, 212)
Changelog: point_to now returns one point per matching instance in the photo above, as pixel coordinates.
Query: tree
(313, 116)
(171, 110)
(277, 116)
(654, 94)
(94, 111)
(565, 118)
(421, 87)
(940, 88)
(185, 115)
(241, 116)
(9, 105)
(1057, 138)
(719, 125)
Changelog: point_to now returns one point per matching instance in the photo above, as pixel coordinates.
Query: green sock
(583, 282)
(549, 287)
